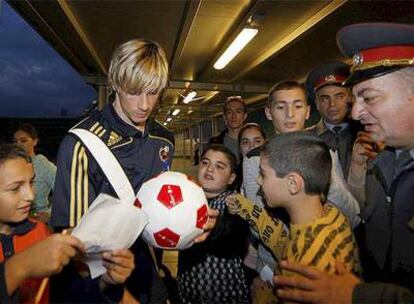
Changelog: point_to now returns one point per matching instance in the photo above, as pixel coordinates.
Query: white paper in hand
(108, 224)
(266, 274)
(339, 194)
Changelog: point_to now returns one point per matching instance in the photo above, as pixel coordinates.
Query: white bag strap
(108, 163)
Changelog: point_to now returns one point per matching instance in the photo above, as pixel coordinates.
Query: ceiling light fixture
(176, 111)
(169, 119)
(242, 39)
(165, 123)
(190, 96)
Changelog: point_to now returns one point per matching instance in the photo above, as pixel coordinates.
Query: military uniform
(338, 137)
(389, 252)
(386, 234)
(79, 179)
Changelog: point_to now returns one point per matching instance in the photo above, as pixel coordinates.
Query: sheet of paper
(266, 274)
(339, 194)
(109, 224)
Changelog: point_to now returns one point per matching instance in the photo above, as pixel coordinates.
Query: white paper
(339, 194)
(266, 274)
(109, 224)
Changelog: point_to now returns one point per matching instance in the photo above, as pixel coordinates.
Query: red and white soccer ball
(177, 210)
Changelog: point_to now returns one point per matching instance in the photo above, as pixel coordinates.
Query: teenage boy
(234, 114)
(295, 170)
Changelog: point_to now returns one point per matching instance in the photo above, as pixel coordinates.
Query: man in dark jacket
(142, 146)
(383, 86)
(137, 142)
(333, 102)
(235, 114)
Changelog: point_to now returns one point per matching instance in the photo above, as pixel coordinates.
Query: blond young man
(138, 73)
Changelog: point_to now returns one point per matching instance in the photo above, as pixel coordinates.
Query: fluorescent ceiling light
(190, 96)
(169, 118)
(176, 111)
(235, 47)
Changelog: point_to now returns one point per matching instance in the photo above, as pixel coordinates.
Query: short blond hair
(138, 65)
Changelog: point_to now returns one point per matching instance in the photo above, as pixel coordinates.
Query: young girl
(26, 137)
(211, 272)
(27, 252)
(251, 136)
(16, 197)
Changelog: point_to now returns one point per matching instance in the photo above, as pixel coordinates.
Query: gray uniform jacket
(386, 234)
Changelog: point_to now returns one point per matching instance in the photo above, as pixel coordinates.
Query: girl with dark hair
(45, 171)
(251, 136)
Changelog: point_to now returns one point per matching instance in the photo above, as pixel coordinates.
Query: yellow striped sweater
(321, 243)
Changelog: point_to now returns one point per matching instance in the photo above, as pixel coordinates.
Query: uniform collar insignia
(330, 78)
(357, 59)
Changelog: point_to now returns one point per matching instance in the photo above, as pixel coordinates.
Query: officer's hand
(365, 148)
(313, 286)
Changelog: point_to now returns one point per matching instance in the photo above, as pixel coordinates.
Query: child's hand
(119, 264)
(233, 204)
(43, 259)
(54, 252)
(211, 223)
(48, 256)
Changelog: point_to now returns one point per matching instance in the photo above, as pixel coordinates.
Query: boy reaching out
(294, 174)
(211, 272)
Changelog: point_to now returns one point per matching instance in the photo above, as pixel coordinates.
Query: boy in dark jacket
(212, 272)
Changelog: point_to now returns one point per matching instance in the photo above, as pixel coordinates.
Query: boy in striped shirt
(295, 174)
